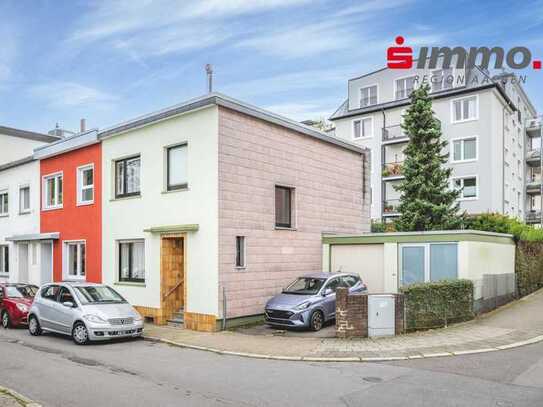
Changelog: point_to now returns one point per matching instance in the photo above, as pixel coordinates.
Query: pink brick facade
(331, 195)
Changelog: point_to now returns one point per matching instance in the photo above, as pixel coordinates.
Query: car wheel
(6, 322)
(34, 326)
(80, 334)
(317, 320)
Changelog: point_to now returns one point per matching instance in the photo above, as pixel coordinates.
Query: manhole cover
(372, 379)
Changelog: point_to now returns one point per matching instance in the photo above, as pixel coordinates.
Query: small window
(75, 257)
(465, 109)
(4, 259)
(52, 190)
(442, 79)
(363, 128)
(177, 167)
(127, 177)
(351, 281)
(240, 251)
(4, 203)
(50, 292)
(404, 87)
(465, 149)
(426, 262)
(24, 199)
(468, 186)
(132, 261)
(283, 207)
(85, 185)
(64, 295)
(368, 96)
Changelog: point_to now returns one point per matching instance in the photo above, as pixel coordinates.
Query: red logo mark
(537, 64)
(399, 57)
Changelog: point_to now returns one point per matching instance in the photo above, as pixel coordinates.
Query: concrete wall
(14, 148)
(254, 156)
(127, 218)
(20, 224)
(365, 260)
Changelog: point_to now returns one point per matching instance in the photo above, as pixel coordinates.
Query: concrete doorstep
(517, 324)
(10, 398)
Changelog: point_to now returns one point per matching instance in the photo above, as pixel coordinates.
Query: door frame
(183, 237)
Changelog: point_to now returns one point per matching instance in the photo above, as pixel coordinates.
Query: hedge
(437, 304)
(529, 267)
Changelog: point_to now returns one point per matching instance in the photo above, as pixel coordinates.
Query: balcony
(533, 216)
(392, 170)
(533, 185)
(390, 207)
(394, 134)
(533, 127)
(533, 157)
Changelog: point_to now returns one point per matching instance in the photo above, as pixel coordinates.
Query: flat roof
(29, 135)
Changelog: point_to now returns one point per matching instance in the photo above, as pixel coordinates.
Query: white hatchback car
(86, 311)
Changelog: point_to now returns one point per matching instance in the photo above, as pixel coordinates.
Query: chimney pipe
(209, 71)
(82, 125)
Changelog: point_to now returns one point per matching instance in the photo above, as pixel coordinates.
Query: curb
(19, 397)
(513, 345)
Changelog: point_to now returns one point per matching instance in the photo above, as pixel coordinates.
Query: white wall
(20, 224)
(14, 148)
(127, 218)
(364, 260)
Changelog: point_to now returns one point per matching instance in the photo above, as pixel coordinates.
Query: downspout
(381, 169)
(223, 308)
(503, 160)
(541, 173)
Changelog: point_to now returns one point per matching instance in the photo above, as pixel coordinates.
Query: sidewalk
(516, 324)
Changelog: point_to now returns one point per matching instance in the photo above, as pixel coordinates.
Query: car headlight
(94, 318)
(138, 317)
(22, 307)
(302, 306)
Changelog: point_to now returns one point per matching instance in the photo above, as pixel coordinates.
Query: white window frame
(80, 187)
(29, 209)
(476, 117)
(244, 260)
(56, 205)
(427, 271)
(376, 85)
(462, 140)
(415, 85)
(462, 177)
(4, 248)
(4, 211)
(65, 266)
(362, 127)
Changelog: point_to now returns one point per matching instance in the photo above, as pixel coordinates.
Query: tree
(426, 202)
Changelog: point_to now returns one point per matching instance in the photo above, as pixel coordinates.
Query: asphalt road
(54, 371)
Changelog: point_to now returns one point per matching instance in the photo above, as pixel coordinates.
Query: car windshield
(305, 286)
(98, 295)
(21, 291)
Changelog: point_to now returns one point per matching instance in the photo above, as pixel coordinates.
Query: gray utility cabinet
(381, 314)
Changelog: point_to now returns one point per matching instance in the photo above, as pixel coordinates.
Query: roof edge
(16, 163)
(29, 135)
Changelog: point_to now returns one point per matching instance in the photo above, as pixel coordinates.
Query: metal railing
(390, 207)
(394, 132)
(533, 153)
(392, 169)
(534, 123)
(533, 216)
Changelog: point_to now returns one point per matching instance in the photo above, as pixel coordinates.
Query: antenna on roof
(209, 72)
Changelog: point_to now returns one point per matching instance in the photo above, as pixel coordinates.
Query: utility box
(381, 315)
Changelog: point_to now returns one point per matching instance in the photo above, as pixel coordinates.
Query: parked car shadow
(68, 339)
(263, 329)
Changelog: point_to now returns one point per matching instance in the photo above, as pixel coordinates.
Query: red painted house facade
(71, 194)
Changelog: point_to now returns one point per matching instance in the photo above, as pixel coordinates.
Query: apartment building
(487, 121)
(25, 254)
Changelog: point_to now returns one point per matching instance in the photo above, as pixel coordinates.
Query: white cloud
(60, 94)
(373, 6)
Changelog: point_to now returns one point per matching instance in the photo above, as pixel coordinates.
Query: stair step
(179, 315)
(176, 323)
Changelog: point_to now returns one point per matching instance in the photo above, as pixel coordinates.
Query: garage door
(365, 259)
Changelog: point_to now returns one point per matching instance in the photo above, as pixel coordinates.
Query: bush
(382, 227)
(495, 222)
(437, 304)
(529, 267)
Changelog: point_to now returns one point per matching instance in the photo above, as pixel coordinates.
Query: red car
(15, 301)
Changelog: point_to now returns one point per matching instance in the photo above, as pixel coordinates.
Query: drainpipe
(223, 308)
(541, 173)
(381, 169)
(503, 160)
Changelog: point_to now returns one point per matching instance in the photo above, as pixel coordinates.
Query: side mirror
(68, 304)
(327, 291)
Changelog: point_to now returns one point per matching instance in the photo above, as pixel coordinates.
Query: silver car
(310, 301)
(85, 311)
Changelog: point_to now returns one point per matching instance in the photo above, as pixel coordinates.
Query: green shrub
(382, 227)
(437, 304)
(495, 222)
(529, 267)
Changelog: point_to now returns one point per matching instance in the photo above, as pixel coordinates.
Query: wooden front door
(172, 275)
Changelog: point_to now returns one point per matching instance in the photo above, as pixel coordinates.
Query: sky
(109, 61)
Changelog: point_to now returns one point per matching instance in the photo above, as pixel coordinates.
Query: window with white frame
(24, 199)
(465, 109)
(467, 186)
(4, 203)
(404, 87)
(464, 149)
(176, 171)
(74, 263)
(52, 191)
(85, 185)
(442, 79)
(4, 259)
(363, 128)
(424, 262)
(368, 96)
(131, 261)
(240, 252)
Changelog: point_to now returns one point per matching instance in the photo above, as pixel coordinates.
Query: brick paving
(514, 324)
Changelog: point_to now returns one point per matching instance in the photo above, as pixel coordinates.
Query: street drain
(372, 379)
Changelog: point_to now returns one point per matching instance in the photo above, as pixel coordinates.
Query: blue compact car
(310, 301)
